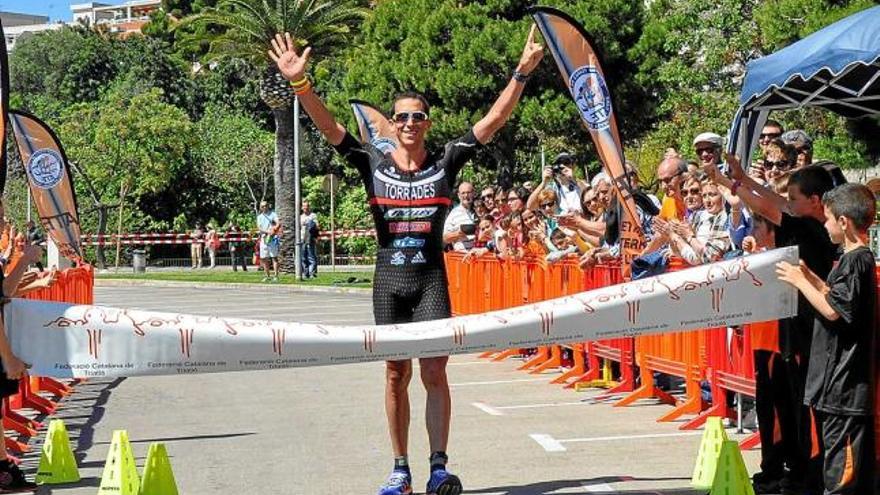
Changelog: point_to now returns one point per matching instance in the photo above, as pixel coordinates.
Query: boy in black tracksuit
(840, 380)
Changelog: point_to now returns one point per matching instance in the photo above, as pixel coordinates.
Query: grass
(325, 278)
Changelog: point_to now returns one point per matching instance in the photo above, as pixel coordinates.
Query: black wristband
(520, 77)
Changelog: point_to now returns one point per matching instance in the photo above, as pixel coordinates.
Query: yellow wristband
(300, 83)
(302, 89)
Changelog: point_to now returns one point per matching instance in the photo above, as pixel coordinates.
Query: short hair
(812, 181)
(520, 192)
(414, 95)
(547, 195)
(488, 218)
(853, 201)
(788, 150)
(774, 123)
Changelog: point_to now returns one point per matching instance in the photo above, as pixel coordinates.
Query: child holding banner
(841, 372)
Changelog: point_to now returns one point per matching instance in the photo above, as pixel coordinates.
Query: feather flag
(49, 180)
(374, 126)
(581, 71)
(4, 107)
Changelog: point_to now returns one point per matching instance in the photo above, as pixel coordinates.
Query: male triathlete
(409, 193)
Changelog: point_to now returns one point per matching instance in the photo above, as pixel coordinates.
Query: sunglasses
(694, 191)
(547, 205)
(700, 151)
(403, 117)
(770, 135)
(669, 179)
(781, 164)
(488, 196)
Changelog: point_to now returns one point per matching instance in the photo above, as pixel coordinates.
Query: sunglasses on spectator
(695, 191)
(770, 135)
(403, 117)
(781, 164)
(669, 179)
(700, 151)
(488, 196)
(547, 205)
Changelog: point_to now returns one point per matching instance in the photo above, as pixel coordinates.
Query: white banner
(64, 340)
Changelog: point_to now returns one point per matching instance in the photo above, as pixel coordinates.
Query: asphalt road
(322, 430)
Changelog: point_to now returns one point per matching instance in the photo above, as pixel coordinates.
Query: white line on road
(633, 437)
(549, 443)
(549, 404)
(598, 488)
(497, 382)
(487, 409)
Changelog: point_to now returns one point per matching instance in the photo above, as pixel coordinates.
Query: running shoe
(443, 482)
(12, 480)
(398, 483)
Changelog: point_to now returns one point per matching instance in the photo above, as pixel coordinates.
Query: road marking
(549, 443)
(496, 382)
(549, 404)
(469, 363)
(487, 409)
(598, 488)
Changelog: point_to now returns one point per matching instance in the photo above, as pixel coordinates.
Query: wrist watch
(520, 77)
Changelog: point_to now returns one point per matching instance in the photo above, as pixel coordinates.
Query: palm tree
(241, 29)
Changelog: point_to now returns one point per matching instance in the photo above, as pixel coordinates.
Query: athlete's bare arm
(293, 68)
(486, 128)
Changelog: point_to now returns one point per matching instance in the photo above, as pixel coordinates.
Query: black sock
(401, 463)
(438, 460)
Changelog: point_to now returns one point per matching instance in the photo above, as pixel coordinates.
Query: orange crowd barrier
(721, 357)
(42, 394)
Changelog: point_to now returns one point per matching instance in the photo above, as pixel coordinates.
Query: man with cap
(560, 178)
(803, 146)
(708, 148)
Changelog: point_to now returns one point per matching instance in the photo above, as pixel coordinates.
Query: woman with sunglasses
(409, 194)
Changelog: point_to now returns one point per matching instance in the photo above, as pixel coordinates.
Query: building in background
(123, 19)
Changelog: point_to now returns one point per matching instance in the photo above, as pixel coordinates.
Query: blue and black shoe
(442, 482)
(398, 483)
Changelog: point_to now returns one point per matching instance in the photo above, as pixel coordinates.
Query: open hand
(290, 65)
(532, 53)
(792, 274)
(735, 167)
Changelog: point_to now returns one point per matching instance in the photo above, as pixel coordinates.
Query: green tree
(235, 154)
(128, 145)
(460, 54)
(243, 30)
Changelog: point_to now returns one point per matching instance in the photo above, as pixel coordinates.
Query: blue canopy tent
(837, 68)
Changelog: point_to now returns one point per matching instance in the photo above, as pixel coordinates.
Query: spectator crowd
(815, 372)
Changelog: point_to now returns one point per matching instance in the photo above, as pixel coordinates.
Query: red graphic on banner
(94, 342)
(409, 227)
(186, 340)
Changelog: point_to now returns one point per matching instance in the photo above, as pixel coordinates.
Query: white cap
(709, 137)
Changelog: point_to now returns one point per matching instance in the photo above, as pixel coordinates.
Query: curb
(291, 288)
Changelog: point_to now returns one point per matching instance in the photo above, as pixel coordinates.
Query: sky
(57, 10)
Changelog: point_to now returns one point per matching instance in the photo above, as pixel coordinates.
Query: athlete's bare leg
(438, 406)
(397, 377)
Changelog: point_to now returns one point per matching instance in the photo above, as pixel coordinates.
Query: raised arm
(486, 128)
(758, 198)
(293, 68)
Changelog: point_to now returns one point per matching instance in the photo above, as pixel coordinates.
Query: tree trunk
(284, 186)
(100, 259)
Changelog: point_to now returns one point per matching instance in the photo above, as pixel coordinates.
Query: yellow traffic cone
(731, 477)
(57, 463)
(710, 448)
(158, 476)
(120, 472)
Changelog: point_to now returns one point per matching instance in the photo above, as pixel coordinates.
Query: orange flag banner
(581, 71)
